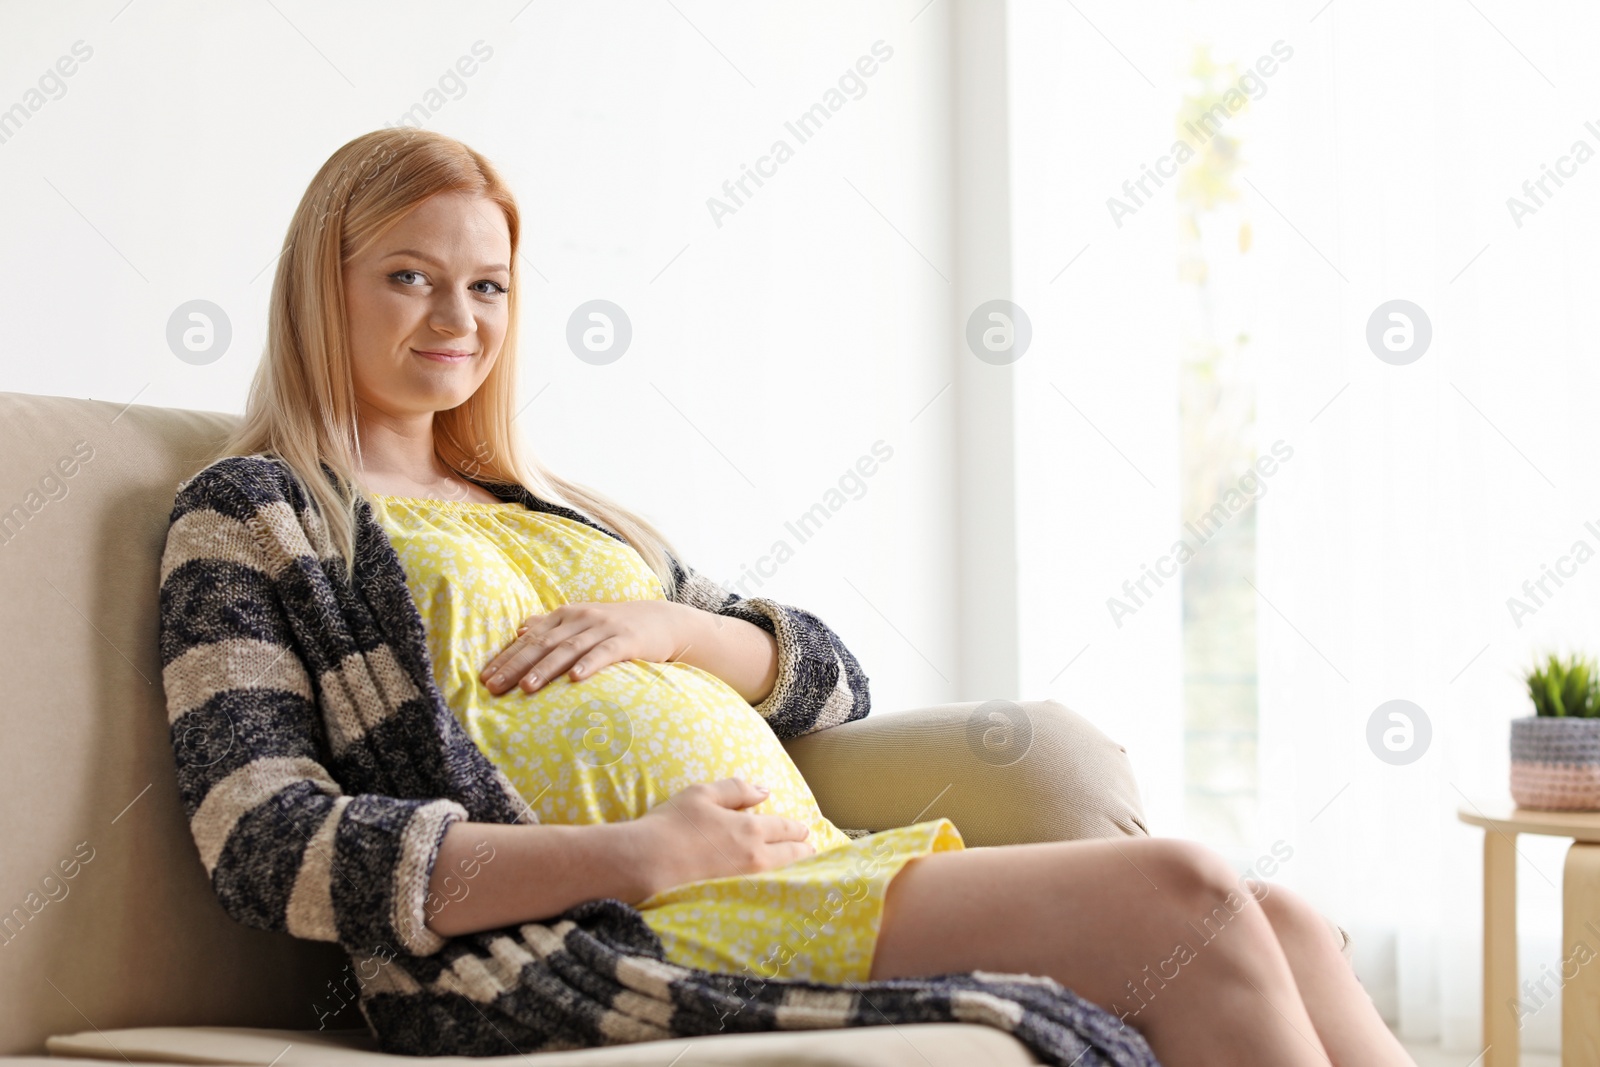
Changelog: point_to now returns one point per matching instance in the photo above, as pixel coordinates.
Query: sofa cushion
(919, 1045)
(106, 915)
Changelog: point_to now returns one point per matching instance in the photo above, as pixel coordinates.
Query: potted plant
(1555, 753)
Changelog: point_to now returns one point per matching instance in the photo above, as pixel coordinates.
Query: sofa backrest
(106, 915)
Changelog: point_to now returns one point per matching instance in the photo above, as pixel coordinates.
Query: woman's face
(435, 283)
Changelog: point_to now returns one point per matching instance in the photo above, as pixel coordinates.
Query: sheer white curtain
(1420, 497)
(1424, 494)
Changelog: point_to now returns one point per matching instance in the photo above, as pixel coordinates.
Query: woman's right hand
(704, 832)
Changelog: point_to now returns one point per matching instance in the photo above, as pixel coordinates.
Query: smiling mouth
(443, 357)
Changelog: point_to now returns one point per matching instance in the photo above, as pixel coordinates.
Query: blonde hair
(302, 405)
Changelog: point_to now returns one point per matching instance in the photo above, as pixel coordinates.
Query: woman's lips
(443, 357)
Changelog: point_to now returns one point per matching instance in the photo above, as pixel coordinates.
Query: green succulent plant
(1567, 688)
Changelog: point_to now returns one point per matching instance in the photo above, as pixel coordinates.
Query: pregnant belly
(611, 746)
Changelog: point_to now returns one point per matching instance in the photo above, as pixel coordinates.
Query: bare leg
(1156, 930)
(1341, 1010)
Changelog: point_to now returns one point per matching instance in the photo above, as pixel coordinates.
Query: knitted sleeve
(820, 683)
(285, 848)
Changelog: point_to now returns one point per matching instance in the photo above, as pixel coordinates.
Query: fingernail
(760, 787)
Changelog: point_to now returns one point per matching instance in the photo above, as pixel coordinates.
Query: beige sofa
(114, 947)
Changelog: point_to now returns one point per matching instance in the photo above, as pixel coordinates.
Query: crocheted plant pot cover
(1555, 763)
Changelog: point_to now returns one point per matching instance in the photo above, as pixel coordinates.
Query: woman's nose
(452, 315)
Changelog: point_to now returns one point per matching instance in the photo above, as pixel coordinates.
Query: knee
(1193, 871)
(1219, 927)
(1089, 777)
(1294, 919)
(1282, 907)
(1201, 889)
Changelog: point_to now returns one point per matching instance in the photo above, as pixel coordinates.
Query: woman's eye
(498, 290)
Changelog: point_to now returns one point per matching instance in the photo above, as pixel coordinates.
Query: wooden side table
(1580, 931)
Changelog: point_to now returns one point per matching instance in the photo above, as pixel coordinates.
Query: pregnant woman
(480, 726)
(609, 737)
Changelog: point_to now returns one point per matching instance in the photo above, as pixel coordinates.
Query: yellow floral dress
(610, 746)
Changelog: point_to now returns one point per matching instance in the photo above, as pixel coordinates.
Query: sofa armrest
(1071, 781)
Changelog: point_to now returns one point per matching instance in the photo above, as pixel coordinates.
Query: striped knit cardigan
(319, 767)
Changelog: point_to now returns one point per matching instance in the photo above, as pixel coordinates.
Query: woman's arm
(488, 875)
(818, 684)
(284, 846)
(793, 669)
(739, 652)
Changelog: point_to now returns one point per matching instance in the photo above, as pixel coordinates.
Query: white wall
(1097, 401)
(769, 354)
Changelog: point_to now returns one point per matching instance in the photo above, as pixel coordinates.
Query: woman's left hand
(583, 638)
